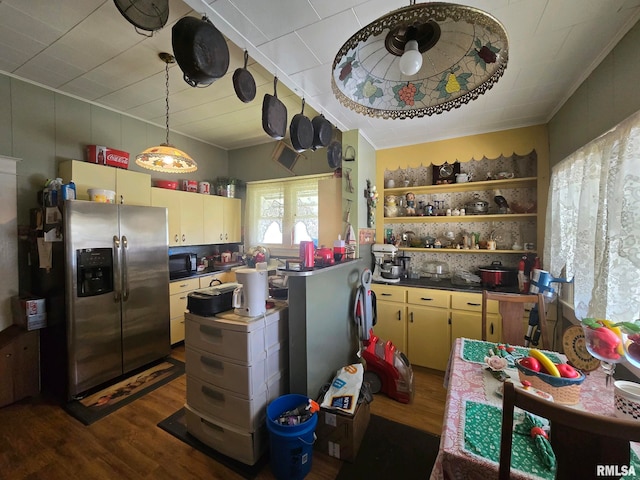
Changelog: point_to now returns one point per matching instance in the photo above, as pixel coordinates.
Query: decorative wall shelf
(524, 182)
(509, 217)
(456, 250)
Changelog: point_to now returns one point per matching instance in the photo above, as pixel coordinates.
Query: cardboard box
(339, 435)
(29, 312)
(107, 156)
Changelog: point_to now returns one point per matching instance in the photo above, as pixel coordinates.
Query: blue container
(291, 446)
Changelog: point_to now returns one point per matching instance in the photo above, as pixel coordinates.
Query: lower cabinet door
(392, 324)
(429, 337)
(466, 324)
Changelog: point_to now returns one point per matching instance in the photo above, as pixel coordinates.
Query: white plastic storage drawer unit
(246, 381)
(241, 339)
(228, 440)
(230, 408)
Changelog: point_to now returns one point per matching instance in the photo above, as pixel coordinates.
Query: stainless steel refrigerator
(116, 294)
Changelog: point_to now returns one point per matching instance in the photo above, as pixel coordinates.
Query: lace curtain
(284, 203)
(593, 224)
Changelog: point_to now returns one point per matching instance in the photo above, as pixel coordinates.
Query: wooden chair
(511, 308)
(581, 441)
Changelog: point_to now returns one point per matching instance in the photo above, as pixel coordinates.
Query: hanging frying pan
(200, 50)
(148, 15)
(243, 82)
(301, 131)
(274, 114)
(334, 154)
(321, 132)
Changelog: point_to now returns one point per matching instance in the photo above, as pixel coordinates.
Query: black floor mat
(176, 426)
(392, 450)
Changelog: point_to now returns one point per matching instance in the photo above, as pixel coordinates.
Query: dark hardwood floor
(39, 440)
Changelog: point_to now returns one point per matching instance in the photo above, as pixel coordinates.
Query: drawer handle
(214, 332)
(183, 285)
(399, 315)
(212, 426)
(474, 304)
(411, 316)
(386, 294)
(209, 362)
(209, 392)
(182, 298)
(426, 299)
(491, 328)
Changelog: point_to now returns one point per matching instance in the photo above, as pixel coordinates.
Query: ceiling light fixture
(420, 60)
(165, 157)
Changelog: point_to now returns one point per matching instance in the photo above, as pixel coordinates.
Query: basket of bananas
(560, 380)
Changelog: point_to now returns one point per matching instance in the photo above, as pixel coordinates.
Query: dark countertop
(446, 284)
(206, 271)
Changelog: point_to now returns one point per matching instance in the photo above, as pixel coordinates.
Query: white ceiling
(87, 49)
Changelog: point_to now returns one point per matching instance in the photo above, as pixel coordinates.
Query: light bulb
(411, 59)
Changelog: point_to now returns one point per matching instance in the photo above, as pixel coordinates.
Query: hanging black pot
(301, 131)
(200, 50)
(243, 82)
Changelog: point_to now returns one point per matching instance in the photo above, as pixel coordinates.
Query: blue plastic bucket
(291, 446)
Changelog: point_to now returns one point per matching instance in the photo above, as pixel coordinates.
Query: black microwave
(182, 265)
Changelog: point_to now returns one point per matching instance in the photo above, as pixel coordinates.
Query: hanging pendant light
(420, 60)
(165, 157)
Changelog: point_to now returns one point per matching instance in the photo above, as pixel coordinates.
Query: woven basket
(564, 390)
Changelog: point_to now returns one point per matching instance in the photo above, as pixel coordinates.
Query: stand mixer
(382, 252)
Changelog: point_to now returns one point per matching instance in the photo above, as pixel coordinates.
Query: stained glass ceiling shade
(464, 53)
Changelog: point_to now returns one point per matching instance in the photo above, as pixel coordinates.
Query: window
(281, 213)
(593, 224)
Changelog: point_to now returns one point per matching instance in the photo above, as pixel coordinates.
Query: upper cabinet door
(191, 218)
(213, 219)
(232, 220)
(132, 188)
(168, 199)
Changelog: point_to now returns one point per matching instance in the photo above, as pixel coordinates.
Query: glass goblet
(606, 345)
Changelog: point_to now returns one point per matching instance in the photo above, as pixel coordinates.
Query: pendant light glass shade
(420, 60)
(165, 157)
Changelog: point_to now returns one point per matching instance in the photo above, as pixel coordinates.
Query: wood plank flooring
(39, 440)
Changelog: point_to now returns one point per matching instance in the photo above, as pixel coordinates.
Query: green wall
(608, 96)
(42, 127)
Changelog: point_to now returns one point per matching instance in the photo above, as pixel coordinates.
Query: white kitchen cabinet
(185, 212)
(132, 188)
(222, 219)
(178, 292)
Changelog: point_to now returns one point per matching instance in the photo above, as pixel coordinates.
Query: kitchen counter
(315, 270)
(446, 284)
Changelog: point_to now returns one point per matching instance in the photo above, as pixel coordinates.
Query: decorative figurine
(411, 204)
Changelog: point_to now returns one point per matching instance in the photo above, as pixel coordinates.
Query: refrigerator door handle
(125, 276)
(116, 265)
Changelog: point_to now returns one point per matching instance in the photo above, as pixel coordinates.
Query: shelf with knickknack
(500, 207)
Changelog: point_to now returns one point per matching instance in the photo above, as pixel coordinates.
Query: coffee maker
(250, 297)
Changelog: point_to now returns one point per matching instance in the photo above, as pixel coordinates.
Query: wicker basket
(564, 390)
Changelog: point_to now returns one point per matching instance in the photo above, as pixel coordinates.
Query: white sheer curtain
(593, 224)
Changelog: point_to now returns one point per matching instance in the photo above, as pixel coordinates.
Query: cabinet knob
(226, 236)
(184, 237)
(426, 299)
(399, 315)
(473, 304)
(491, 328)
(411, 317)
(176, 238)
(220, 236)
(385, 294)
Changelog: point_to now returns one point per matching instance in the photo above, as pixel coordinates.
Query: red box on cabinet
(107, 156)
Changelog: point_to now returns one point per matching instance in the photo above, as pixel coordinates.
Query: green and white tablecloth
(482, 424)
(474, 351)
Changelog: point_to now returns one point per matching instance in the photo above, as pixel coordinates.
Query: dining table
(470, 440)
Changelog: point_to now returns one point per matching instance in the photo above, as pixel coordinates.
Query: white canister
(390, 183)
(204, 187)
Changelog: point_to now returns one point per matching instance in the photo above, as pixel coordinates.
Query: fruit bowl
(564, 390)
